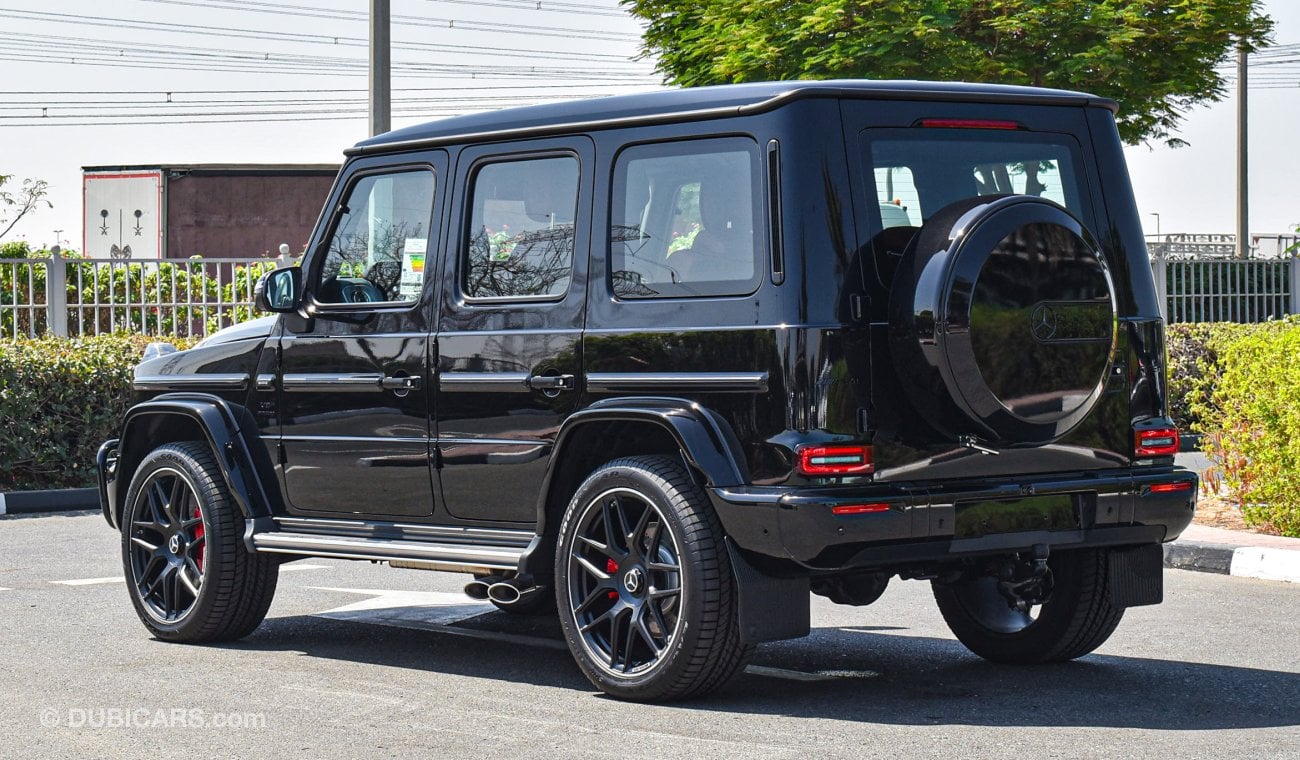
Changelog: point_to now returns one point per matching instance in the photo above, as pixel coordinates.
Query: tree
(17, 204)
(1156, 57)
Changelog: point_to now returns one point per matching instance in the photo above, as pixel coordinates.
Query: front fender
(226, 428)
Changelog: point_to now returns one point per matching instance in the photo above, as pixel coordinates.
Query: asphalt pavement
(360, 660)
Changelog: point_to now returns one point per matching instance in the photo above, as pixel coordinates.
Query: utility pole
(381, 90)
(1243, 171)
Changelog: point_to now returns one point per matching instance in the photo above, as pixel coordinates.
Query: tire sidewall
(671, 504)
(214, 504)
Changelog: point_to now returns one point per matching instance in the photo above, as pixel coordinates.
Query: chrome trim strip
(484, 382)
(236, 382)
(462, 555)
(350, 439)
(336, 383)
(266, 382)
(405, 531)
(718, 382)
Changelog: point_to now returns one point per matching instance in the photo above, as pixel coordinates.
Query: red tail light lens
(859, 509)
(1156, 442)
(1184, 485)
(822, 461)
(969, 124)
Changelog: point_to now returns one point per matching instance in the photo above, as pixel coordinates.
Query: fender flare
(226, 429)
(704, 438)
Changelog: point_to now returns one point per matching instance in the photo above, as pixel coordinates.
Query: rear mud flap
(1136, 576)
(771, 609)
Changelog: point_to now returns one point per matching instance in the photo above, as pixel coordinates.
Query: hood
(259, 328)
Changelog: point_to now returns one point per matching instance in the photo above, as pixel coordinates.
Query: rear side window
(521, 232)
(686, 219)
(917, 172)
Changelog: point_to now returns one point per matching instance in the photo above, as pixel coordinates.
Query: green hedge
(1239, 385)
(59, 400)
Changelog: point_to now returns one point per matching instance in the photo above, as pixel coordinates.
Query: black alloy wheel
(625, 568)
(644, 583)
(188, 572)
(167, 544)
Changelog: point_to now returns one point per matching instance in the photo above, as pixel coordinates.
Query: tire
(1076, 619)
(188, 572)
(644, 585)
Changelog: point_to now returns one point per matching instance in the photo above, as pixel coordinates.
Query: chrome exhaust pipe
(511, 591)
(478, 588)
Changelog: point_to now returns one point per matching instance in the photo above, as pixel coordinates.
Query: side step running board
(469, 557)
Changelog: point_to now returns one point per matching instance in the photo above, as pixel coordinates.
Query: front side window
(521, 232)
(380, 240)
(686, 220)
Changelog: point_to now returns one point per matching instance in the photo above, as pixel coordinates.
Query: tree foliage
(15, 204)
(1156, 57)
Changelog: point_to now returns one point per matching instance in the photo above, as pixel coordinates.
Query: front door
(509, 334)
(355, 381)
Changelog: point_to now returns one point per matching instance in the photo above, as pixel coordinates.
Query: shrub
(1252, 412)
(59, 400)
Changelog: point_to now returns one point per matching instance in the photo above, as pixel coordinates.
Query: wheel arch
(614, 428)
(224, 427)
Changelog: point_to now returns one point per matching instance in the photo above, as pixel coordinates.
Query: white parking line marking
(816, 675)
(6, 589)
(296, 567)
(90, 581)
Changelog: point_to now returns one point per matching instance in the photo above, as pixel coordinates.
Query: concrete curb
(33, 502)
(1263, 562)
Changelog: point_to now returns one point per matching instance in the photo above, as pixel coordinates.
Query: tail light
(823, 461)
(1155, 442)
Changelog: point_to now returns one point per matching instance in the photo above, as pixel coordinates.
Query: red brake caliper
(611, 567)
(198, 533)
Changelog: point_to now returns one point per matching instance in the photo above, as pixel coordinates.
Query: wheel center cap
(633, 580)
(175, 543)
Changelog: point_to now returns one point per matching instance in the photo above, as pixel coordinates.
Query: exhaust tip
(504, 592)
(477, 589)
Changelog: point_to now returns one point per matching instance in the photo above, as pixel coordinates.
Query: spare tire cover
(1003, 320)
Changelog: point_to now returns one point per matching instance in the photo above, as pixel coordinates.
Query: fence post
(1160, 273)
(56, 295)
(1293, 284)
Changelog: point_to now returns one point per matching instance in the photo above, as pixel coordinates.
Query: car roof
(704, 102)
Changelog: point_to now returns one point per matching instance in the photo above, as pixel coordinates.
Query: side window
(377, 250)
(521, 232)
(686, 219)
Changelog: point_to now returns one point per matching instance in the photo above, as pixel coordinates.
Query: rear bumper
(106, 470)
(917, 523)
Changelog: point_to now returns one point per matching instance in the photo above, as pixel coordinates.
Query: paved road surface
(358, 660)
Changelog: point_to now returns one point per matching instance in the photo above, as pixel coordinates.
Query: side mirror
(279, 290)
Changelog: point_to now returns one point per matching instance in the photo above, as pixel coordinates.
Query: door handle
(400, 383)
(551, 382)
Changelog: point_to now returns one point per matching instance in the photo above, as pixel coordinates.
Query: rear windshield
(917, 172)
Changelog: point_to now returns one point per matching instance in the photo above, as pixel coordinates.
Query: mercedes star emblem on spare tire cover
(1003, 320)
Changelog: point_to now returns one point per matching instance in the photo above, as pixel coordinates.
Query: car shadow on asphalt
(852, 674)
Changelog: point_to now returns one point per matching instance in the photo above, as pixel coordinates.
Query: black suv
(673, 361)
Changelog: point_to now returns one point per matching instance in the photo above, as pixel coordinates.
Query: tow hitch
(1025, 584)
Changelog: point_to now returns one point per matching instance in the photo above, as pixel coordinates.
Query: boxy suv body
(675, 360)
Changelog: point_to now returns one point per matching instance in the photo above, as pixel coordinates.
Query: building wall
(236, 215)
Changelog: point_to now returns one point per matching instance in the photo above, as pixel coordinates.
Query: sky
(127, 82)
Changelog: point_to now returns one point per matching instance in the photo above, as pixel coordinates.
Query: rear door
(355, 378)
(510, 325)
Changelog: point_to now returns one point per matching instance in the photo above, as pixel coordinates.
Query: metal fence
(1199, 278)
(77, 297)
